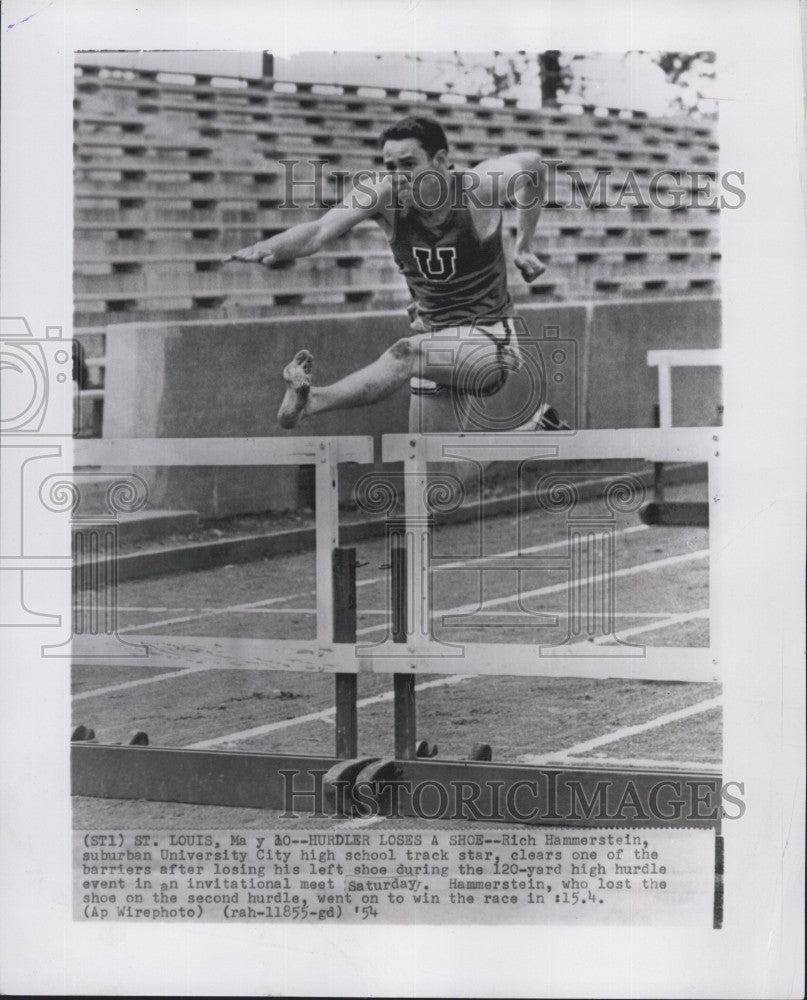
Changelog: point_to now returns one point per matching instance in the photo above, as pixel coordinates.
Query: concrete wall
(222, 378)
(621, 390)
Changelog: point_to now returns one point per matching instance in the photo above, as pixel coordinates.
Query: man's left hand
(530, 266)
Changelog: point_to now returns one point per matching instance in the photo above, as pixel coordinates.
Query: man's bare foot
(297, 375)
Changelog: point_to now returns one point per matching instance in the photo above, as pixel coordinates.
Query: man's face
(419, 178)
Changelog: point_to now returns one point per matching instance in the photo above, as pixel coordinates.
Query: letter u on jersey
(436, 263)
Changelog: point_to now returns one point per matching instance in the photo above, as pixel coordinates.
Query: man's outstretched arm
(518, 179)
(309, 237)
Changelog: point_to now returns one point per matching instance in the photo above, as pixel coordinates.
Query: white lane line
(359, 822)
(139, 682)
(208, 614)
(625, 731)
(555, 588)
(266, 611)
(322, 716)
(215, 611)
(276, 611)
(638, 762)
(468, 609)
(383, 611)
(162, 611)
(673, 619)
(598, 615)
(472, 561)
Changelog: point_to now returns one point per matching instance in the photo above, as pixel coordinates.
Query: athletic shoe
(545, 418)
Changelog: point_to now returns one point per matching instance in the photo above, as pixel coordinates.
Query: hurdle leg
(344, 630)
(404, 691)
(403, 684)
(658, 467)
(689, 513)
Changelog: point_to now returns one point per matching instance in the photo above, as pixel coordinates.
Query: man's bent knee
(403, 349)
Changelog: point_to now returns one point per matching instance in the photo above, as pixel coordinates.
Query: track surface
(660, 596)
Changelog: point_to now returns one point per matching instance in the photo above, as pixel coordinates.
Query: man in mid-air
(445, 232)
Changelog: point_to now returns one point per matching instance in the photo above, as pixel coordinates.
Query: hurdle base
(671, 513)
(339, 783)
(422, 788)
(290, 783)
(552, 795)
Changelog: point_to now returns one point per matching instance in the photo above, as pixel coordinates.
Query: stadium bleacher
(172, 172)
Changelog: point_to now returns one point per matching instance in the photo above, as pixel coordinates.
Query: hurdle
(412, 781)
(411, 647)
(137, 770)
(662, 511)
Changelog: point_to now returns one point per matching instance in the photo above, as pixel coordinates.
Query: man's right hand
(258, 253)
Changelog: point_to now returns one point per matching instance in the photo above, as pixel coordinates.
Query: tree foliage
(564, 77)
(687, 71)
(676, 65)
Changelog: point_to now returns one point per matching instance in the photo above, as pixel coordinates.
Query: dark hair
(427, 131)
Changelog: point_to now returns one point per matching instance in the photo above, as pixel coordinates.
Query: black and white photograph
(392, 512)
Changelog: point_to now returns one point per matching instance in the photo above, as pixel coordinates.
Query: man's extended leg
(367, 385)
(425, 355)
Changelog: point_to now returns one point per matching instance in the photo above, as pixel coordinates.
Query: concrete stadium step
(140, 231)
(139, 168)
(569, 185)
(648, 284)
(184, 277)
(106, 256)
(181, 282)
(94, 485)
(600, 180)
(94, 344)
(244, 150)
(213, 121)
(95, 323)
(128, 260)
(144, 525)
(200, 89)
(245, 303)
(132, 305)
(264, 182)
(100, 249)
(155, 215)
(589, 219)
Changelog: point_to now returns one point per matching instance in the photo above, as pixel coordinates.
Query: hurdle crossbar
(325, 454)
(127, 452)
(678, 444)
